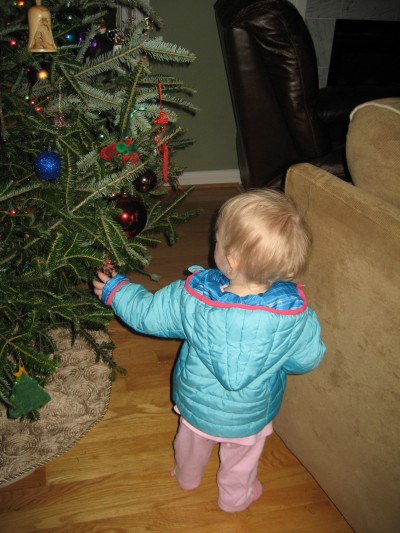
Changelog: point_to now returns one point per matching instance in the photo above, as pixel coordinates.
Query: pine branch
(9, 193)
(106, 62)
(179, 103)
(30, 357)
(72, 82)
(159, 50)
(100, 100)
(103, 352)
(127, 108)
(108, 187)
(168, 209)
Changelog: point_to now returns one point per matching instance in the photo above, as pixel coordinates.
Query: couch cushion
(373, 148)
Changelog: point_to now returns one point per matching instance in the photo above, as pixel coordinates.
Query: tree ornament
(127, 149)
(148, 24)
(145, 182)
(27, 395)
(108, 267)
(60, 121)
(48, 165)
(40, 35)
(162, 147)
(133, 217)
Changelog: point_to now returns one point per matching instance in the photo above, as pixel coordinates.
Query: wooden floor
(117, 478)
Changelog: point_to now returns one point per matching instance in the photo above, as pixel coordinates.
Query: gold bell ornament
(40, 36)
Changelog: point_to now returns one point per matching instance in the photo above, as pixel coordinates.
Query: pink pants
(237, 481)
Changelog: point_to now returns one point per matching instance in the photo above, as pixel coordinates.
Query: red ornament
(133, 217)
(145, 182)
(108, 267)
(125, 148)
(162, 147)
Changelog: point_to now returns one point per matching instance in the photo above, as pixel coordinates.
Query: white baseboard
(210, 177)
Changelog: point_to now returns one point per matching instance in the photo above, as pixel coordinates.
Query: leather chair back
(273, 78)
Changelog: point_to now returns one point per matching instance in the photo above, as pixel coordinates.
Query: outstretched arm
(153, 314)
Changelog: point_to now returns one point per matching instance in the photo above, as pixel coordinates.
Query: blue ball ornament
(48, 165)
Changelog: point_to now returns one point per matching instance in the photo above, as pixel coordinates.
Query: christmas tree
(88, 132)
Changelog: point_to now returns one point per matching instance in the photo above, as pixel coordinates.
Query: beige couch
(343, 420)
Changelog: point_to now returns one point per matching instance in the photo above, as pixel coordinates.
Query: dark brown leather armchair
(282, 116)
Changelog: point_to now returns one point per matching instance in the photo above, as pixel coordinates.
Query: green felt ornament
(27, 395)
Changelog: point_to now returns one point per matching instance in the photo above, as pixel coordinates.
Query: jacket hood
(239, 338)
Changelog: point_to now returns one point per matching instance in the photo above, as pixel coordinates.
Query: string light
(70, 37)
(42, 74)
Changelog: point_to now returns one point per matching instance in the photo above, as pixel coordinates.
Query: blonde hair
(264, 232)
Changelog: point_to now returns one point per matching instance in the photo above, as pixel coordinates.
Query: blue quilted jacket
(230, 374)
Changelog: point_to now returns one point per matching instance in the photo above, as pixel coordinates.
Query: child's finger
(98, 284)
(103, 277)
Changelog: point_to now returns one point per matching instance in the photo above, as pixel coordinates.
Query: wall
(321, 15)
(212, 159)
(301, 6)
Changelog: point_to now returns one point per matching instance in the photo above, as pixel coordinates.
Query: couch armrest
(342, 420)
(373, 148)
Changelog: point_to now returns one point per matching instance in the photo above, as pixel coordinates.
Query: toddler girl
(244, 326)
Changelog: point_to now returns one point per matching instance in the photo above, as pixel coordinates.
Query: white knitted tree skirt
(80, 392)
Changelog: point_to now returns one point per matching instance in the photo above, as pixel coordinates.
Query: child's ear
(233, 263)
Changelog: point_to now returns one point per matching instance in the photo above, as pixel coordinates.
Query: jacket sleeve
(307, 352)
(156, 314)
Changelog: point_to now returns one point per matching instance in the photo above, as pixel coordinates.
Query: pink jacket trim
(212, 303)
(112, 293)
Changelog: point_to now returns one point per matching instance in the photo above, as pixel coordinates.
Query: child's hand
(106, 287)
(100, 281)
